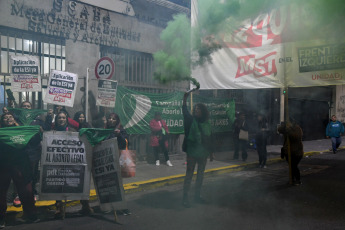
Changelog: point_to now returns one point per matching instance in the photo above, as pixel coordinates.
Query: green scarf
(17, 137)
(95, 136)
(26, 116)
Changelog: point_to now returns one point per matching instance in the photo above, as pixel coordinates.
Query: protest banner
(61, 88)
(25, 73)
(65, 166)
(107, 175)
(136, 110)
(106, 95)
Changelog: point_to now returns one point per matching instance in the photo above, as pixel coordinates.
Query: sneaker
(2, 223)
(335, 152)
(126, 212)
(297, 183)
(169, 163)
(16, 202)
(265, 167)
(157, 163)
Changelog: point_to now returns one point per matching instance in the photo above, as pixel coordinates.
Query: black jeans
(243, 144)
(296, 176)
(157, 149)
(191, 162)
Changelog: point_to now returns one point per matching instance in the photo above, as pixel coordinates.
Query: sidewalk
(150, 176)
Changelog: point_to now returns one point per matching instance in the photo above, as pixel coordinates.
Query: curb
(171, 180)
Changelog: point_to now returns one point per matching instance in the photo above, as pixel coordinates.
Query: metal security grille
(51, 53)
(135, 70)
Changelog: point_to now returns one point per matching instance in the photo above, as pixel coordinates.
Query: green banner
(26, 116)
(136, 110)
(17, 137)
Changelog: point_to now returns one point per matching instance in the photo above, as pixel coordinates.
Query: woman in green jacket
(198, 146)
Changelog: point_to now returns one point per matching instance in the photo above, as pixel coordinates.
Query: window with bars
(49, 50)
(130, 66)
(135, 70)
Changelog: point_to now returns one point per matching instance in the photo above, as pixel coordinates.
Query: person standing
(198, 147)
(261, 140)
(294, 132)
(159, 140)
(334, 131)
(15, 166)
(80, 117)
(240, 123)
(114, 122)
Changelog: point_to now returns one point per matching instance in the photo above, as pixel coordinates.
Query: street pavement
(250, 199)
(150, 176)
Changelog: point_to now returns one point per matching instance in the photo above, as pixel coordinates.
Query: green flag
(136, 110)
(26, 116)
(95, 136)
(17, 137)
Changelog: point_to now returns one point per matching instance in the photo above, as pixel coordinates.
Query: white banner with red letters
(263, 53)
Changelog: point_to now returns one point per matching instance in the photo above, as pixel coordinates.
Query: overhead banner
(248, 68)
(136, 110)
(268, 52)
(61, 88)
(106, 95)
(107, 175)
(25, 73)
(65, 167)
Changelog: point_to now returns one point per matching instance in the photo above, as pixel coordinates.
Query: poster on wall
(25, 73)
(315, 63)
(106, 95)
(65, 167)
(107, 175)
(61, 88)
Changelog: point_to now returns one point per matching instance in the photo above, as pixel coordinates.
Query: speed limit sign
(104, 68)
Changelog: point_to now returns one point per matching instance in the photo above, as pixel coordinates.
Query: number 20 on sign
(105, 68)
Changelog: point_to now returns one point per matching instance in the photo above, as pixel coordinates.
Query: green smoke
(174, 61)
(186, 47)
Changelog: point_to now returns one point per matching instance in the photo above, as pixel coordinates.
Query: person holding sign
(62, 124)
(113, 122)
(81, 119)
(159, 140)
(15, 165)
(52, 114)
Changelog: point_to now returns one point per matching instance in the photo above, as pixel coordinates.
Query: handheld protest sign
(107, 178)
(106, 95)
(61, 88)
(65, 167)
(25, 73)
